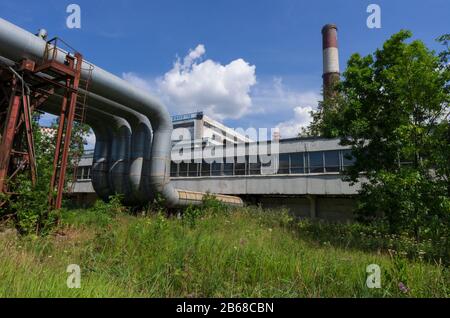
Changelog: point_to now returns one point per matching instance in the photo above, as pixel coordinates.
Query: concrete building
(203, 130)
(304, 177)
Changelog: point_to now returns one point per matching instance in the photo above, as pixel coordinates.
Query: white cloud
(230, 92)
(292, 127)
(137, 81)
(193, 55)
(277, 99)
(90, 140)
(221, 91)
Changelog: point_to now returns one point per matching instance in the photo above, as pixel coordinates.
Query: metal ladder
(80, 117)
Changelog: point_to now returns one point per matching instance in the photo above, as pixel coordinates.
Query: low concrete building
(304, 176)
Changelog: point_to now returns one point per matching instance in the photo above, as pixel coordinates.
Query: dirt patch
(72, 236)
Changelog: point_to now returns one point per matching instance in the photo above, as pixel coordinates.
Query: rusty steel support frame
(15, 118)
(64, 132)
(8, 135)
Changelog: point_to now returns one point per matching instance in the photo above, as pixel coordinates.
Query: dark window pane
(193, 169)
(79, 173)
(348, 159)
(255, 168)
(283, 167)
(88, 173)
(216, 169)
(332, 161)
(206, 169)
(183, 169)
(239, 169)
(316, 162)
(227, 169)
(173, 169)
(297, 163)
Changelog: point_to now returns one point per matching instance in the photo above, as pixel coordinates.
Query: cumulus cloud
(90, 140)
(193, 84)
(138, 81)
(193, 55)
(222, 91)
(279, 101)
(230, 91)
(293, 127)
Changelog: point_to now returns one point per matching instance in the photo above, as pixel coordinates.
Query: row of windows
(83, 173)
(287, 163)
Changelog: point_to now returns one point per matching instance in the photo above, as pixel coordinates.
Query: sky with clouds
(245, 63)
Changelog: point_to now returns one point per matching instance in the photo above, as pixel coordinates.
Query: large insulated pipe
(112, 135)
(128, 149)
(102, 159)
(331, 72)
(17, 44)
(139, 150)
(109, 175)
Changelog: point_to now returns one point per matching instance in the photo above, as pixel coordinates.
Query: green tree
(30, 205)
(392, 107)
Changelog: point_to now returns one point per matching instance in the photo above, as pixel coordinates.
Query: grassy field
(239, 253)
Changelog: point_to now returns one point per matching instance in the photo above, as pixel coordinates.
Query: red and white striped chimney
(331, 72)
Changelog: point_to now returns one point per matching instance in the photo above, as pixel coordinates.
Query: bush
(376, 236)
(112, 208)
(209, 207)
(29, 205)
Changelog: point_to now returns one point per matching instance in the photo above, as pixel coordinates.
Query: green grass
(241, 253)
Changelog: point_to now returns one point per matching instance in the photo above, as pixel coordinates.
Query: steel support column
(8, 136)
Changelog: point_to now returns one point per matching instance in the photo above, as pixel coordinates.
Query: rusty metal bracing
(66, 119)
(27, 93)
(14, 156)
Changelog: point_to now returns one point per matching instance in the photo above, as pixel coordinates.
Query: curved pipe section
(110, 162)
(17, 44)
(130, 155)
(111, 152)
(139, 150)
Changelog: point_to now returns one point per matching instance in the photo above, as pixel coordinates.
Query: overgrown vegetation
(244, 252)
(29, 207)
(392, 108)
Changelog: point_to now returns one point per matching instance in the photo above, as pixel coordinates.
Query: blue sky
(267, 54)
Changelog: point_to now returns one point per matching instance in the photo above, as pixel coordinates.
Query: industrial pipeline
(133, 129)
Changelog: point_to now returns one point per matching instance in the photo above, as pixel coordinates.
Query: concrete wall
(300, 207)
(335, 209)
(310, 184)
(322, 196)
(324, 208)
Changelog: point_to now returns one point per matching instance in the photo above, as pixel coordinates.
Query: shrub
(376, 236)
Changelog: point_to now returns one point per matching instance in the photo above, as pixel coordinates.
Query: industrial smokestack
(331, 72)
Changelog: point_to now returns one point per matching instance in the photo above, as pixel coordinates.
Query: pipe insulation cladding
(149, 162)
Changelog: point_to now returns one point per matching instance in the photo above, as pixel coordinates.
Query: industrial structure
(305, 178)
(133, 129)
(204, 131)
(135, 145)
(331, 71)
(27, 85)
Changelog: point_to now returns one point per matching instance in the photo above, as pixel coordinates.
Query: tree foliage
(392, 107)
(30, 204)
